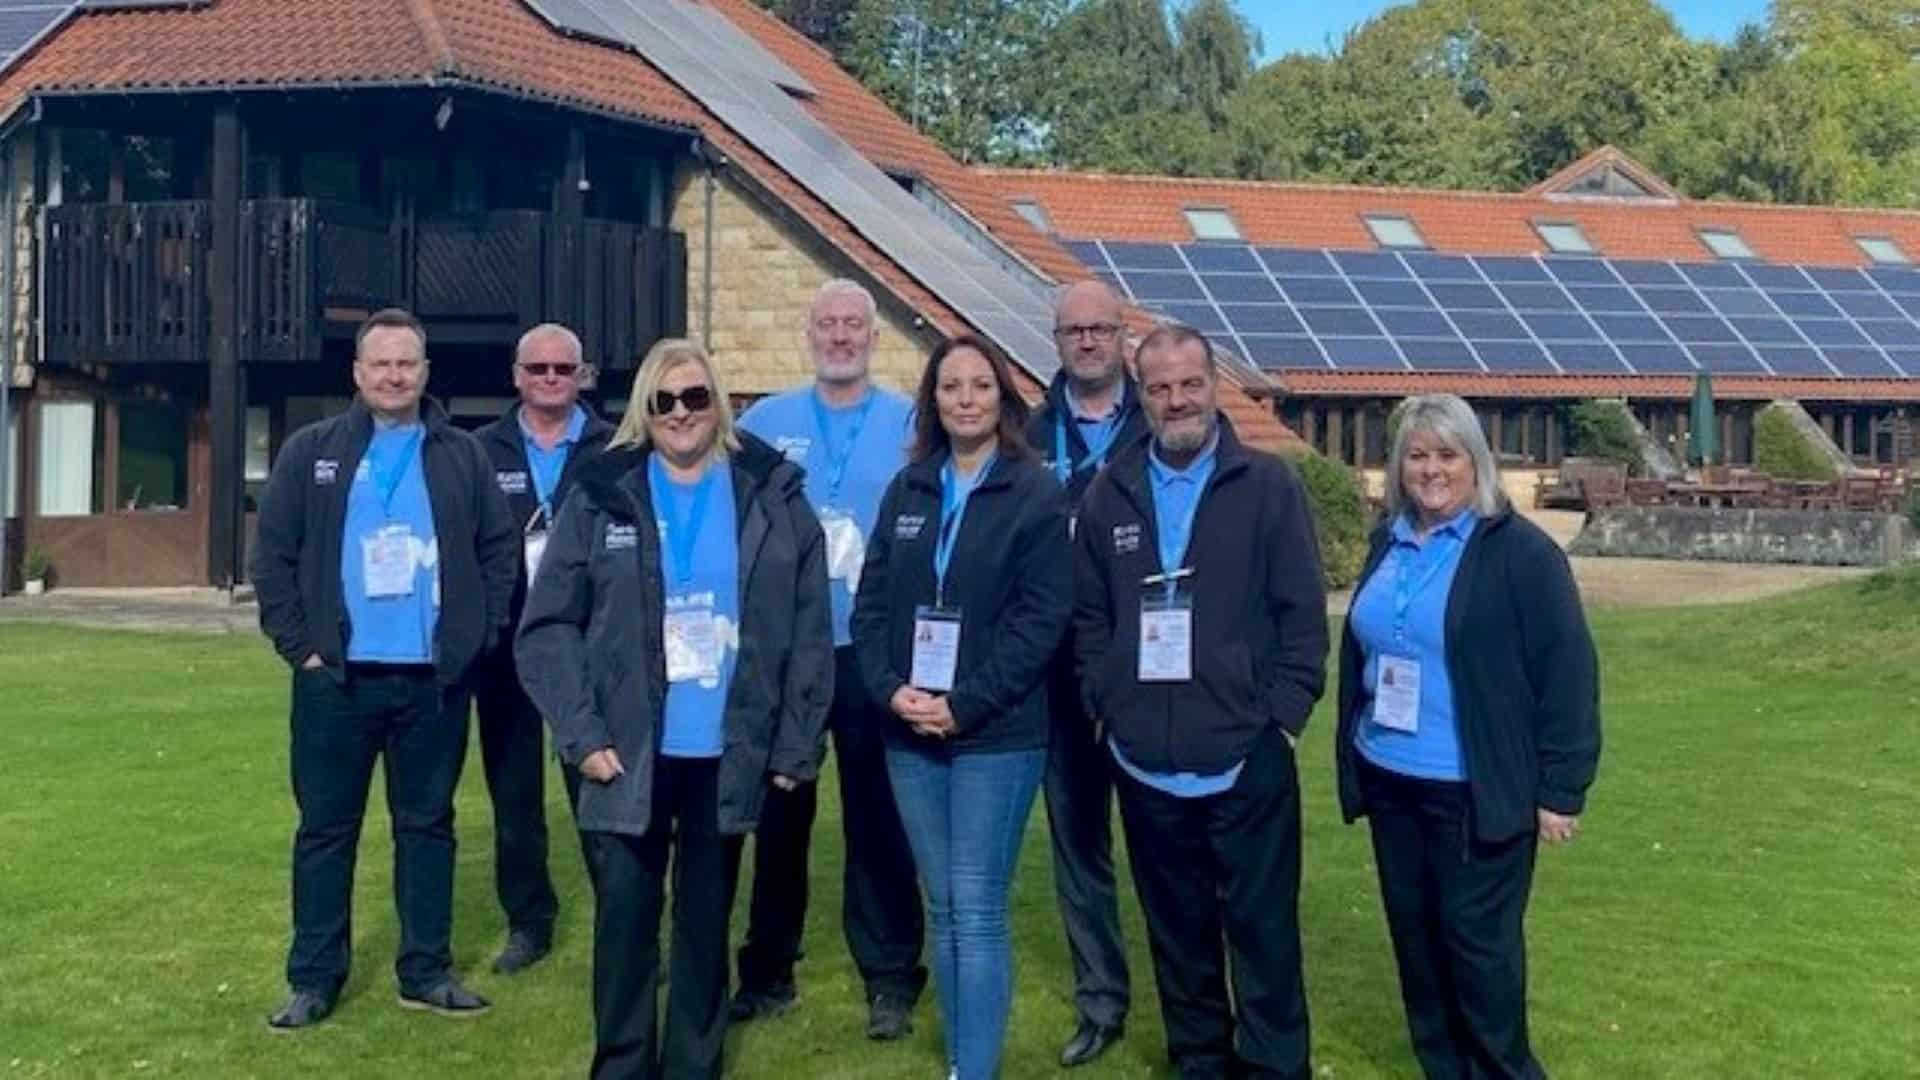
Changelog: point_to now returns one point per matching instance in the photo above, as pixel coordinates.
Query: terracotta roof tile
(1148, 208)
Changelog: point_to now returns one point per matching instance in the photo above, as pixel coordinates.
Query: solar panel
(25, 24)
(711, 64)
(1389, 311)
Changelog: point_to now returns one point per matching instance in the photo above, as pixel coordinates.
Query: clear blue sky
(1308, 25)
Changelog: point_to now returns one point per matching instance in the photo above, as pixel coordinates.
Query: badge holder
(692, 644)
(1166, 627)
(386, 562)
(1396, 694)
(936, 648)
(846, 548)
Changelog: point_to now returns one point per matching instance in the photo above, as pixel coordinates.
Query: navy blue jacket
(1043, 426)
(1526, 680)
(507, 450)
(1012, 578)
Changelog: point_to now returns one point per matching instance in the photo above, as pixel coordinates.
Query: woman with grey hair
(1469, 732)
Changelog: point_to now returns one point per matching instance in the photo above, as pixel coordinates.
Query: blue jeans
(965, 816)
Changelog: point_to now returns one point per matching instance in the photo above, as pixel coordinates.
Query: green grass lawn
(1744, 900)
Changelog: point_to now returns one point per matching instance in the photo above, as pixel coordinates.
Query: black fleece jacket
(295, 566)
(1526, 679)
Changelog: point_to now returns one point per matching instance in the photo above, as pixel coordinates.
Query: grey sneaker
(888, 1018)
(303, 1010)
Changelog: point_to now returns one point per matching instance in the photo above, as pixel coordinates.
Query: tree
(824, 21)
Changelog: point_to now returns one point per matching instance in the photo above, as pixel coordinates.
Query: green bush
(1780, 449)
(36, 565)
(1913, 506)
(1394, 418)
(1603, 429)
(1341, 515)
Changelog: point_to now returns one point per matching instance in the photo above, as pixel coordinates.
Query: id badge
(1166, 634)
(536, 549)
(846, 548)
(386, 562)
(1396, 695)
(693, 644)
(936, 648)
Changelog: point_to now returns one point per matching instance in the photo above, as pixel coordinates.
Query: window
(10, 506)
(1212, 224)
(1608, 182)
(1726, 244)
(151, 460)
(1035, 214)
(1882, 250)
(69, 477)
(1563, 237)
(1394, 232)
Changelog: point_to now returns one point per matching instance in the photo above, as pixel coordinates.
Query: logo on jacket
(1126, 539)
(908, 526)
(511, 481)
(795, 447)
(325, 471)
(621, 537)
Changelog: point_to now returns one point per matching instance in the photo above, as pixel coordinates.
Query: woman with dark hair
(966, 592)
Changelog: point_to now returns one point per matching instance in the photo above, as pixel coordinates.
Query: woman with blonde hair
(678, 641)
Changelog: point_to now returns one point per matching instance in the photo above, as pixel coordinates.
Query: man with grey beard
(1200, 639)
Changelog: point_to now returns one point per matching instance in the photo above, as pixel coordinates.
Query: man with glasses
(851, 437)
(1092, 410)
(384, 566)
(534, 447)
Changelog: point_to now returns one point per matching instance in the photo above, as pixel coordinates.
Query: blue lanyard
(837, 459)
(386, 481)
(1096, 453)
(1405, 589)
(953, 507)
(681, 531)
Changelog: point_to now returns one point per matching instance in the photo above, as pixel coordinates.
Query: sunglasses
(537, 370)
(695, 398)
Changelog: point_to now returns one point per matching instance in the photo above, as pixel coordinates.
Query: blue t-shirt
(1176, 498)
(388, 507)
(701, 563)
(1097, 432)
(547, 465)
(1402, 612)
(849, 454)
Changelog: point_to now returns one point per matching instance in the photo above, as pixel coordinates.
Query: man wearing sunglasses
(534, 449)
(851, 437)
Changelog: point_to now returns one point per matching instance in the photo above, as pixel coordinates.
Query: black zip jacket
(507, 450)
(295, 566)
(1259, 611)
(592, 659)
(1012, 579)
(1526, 681)
(1042, 431)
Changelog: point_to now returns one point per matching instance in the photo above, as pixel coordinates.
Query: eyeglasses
(1101, 332)
(695, 398)
(541, 371)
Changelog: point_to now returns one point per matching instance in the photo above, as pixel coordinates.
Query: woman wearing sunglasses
(678, 640)
(964, 597)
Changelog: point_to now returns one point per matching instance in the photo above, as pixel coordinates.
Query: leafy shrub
(1781, 449)
(1603, 429)
(1341, 515)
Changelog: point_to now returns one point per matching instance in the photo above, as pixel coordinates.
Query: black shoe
(525, 948)
(1089, 1041)
(889, 1018)
(762, 1004)
(304, 1009)
(448, 998)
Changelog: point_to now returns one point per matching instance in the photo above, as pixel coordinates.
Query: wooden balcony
(129, 283)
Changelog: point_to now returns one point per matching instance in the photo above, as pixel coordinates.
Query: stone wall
(1817, 538)
(765, 273)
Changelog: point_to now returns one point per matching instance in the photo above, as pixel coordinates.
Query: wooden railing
(130, 283)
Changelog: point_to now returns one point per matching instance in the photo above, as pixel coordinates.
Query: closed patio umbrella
(1703, 432)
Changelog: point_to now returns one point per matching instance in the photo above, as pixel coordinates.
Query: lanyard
(837, 460)
(1096, 452)
(681, 531)
(386, 480)
(953, 507)
(1405, 589)
(1176, 535)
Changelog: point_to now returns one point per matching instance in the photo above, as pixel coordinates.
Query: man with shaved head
(1092, 411)
(533, 449)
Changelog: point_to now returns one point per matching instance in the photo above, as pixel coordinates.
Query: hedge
(1781, 449)
(1340, 513)
(1603, 429)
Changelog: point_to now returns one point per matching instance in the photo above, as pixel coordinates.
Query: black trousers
(401, 716)
(881, 913)
(1079, 792)
(1456, 908)
(1219, 880)
(629, 888)
(513, 753)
